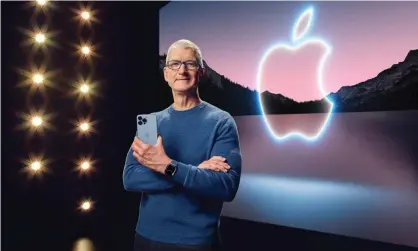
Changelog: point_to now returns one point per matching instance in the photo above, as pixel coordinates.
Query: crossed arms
(201, 181)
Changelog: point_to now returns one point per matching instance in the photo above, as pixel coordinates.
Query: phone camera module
(142, 121)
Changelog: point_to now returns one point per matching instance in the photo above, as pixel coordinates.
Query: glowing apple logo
(299, 41)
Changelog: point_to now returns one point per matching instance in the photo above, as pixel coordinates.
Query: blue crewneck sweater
(185, 209)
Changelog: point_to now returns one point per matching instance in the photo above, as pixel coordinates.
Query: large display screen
(325, 97)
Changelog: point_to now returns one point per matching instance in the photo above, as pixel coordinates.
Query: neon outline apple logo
(298, 43)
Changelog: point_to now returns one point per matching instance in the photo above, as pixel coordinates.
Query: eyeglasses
(190, 65)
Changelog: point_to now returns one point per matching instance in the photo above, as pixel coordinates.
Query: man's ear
(165, 73)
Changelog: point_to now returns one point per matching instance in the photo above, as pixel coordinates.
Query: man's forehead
(181, 54)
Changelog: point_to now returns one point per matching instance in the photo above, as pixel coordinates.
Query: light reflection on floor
(83, 244)
(370, 212)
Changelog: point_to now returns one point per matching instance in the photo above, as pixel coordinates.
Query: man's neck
(186, 101)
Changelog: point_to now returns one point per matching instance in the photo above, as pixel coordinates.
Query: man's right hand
(216, 163)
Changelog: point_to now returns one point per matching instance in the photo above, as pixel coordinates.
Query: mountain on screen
(395, 88)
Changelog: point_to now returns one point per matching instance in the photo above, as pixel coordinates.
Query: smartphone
(146, 128)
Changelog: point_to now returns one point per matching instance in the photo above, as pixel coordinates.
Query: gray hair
(187, 44)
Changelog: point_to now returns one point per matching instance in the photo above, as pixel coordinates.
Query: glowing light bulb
(84, 88)
(38, 78)
(40, 38)
(85, 165)
(36, 121)
(85, 15)
(41, 2)
(86, 205)
(84, 126)
(85, 50)
(36, 166)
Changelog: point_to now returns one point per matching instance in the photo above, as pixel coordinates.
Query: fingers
(141, 153)
(159, 140)
(224, 165)
(136, 149)
(219, 158)
(219, 167)
(139, 144)
(215, 165)
(140, 147)
(140, 158)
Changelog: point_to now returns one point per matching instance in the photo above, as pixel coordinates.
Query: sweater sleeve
(138, 178)
(220, 185)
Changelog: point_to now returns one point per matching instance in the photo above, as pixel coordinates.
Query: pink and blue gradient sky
(366, 38)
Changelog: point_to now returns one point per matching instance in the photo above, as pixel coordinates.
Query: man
(194, 167)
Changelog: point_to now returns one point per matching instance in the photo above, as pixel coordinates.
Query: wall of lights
(39, 78)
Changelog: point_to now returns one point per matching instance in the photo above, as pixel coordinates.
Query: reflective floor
(49, 220)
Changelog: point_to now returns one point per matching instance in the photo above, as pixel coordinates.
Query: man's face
(182, 71)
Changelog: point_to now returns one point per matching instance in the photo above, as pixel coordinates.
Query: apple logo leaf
(302, 25)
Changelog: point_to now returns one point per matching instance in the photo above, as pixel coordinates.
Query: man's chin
(182, 87)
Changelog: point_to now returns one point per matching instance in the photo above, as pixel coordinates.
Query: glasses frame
(185, 63)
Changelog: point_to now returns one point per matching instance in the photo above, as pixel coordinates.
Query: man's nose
(182, 68)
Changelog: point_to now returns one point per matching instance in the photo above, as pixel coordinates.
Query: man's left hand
(153, 157)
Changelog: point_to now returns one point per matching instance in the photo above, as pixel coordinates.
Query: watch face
(170, 169)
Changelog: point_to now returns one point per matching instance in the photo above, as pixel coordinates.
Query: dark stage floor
(51, 224)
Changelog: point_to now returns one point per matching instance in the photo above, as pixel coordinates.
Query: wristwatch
(171, 169)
